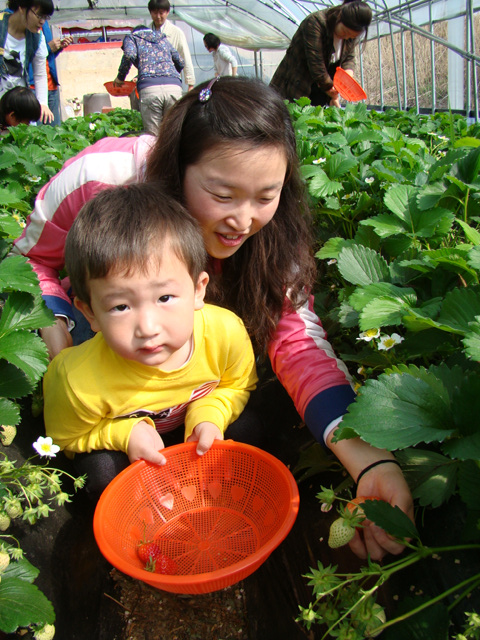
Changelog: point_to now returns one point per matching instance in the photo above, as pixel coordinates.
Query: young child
(18, 106)
(161, 358)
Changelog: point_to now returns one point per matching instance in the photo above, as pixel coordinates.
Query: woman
(324, 41)
(22, 43)
(228, 152)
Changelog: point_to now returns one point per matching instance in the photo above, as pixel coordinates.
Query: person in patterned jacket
(159, 81)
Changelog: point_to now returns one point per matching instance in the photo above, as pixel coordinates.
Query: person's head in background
(211, 42)
(232, 160)
(352, 19)
(135, 259)
(32, 14)
(159, 10)
(19, 106)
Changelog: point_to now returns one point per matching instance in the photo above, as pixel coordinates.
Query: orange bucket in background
(348, 87)
(217, 517)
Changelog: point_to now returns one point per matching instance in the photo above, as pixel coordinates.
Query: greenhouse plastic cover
(251, 24)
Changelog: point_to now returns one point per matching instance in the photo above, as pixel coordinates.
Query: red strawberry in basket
(154, 560)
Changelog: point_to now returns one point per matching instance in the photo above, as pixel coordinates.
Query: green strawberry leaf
(469, 484)
(22, 604)
(362, 266)
(13, 382)
(17, 274)
(400, 410)
(24, 311)
(9, 411)
(21, 569)
(430, 475)
(26, 351)
(392, 519)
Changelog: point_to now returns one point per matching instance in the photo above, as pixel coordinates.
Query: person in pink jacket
(227, 150)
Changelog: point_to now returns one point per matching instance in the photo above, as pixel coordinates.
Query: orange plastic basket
(347, 86)
(217, 516)
(125, 90)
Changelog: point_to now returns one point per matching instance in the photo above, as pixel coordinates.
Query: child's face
(148, 317)
(233, 192)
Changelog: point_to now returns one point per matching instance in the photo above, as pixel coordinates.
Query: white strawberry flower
(319, 161)
(387, 342)
(369, 334)
(369, 180)
(45, 447)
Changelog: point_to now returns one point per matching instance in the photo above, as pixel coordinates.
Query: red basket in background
(125, 90)
(217, 517)
(348, 87)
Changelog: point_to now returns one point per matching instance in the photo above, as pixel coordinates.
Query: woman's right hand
(333, 93)
(56, 337)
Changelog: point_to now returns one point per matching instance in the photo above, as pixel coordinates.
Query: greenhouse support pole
(379, 43)
(474, 64)
(414, 63)
(456, 65)
(395, 66)
(404, 70)
(255, 57)
(432, 58)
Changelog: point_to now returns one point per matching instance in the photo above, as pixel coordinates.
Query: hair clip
(206, 94)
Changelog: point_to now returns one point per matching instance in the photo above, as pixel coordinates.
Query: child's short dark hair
(159, 5)
(22, 102)
(211, 40)
(123, 228)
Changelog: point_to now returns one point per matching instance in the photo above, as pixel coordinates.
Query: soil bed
(150, 613)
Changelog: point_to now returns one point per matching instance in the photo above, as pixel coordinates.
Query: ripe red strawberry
(154, 560)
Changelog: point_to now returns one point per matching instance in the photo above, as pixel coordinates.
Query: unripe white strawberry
(45, 633)
(4, 561)
(378, 618)
(7, 434)
(4, 521)
(14, 509)
(341, 532)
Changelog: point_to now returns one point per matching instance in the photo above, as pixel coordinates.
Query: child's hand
(388, 483)
(205, 433)
(144, 444)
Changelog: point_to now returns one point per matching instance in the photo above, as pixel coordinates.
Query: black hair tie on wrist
(375, 464)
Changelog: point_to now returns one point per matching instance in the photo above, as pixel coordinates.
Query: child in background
(161, 357)
(18, 106)
(224, 62)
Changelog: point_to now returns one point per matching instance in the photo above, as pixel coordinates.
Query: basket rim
(341, 78)
(200, 579)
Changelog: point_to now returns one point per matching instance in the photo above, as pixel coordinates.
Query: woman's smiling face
(233, 191)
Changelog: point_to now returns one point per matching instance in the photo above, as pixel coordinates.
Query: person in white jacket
(224, 62)
(21, 43)
(159, 10)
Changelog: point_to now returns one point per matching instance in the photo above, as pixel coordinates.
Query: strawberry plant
(30, 491)
(396, 200)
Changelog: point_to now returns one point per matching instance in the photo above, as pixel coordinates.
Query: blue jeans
(54, 106)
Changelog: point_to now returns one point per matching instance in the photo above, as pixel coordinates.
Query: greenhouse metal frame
(264, 26)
